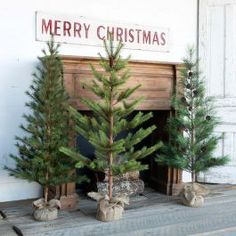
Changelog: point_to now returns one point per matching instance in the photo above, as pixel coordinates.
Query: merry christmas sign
(79, 30)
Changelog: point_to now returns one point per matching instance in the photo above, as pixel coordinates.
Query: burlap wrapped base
(109, 210)
(46, 211)
(193, 194)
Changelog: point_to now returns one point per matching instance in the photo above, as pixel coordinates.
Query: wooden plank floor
(150, 214)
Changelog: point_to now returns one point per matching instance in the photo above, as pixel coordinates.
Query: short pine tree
(192, 141)
(46, 128)
(113, 154)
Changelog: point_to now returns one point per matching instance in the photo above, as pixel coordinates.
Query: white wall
(19, 50)
(217, 47)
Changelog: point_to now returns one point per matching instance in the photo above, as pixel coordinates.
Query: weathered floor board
(150, 214)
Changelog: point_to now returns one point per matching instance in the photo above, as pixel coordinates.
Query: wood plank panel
(156, 79)
(230, 50)
(216, 48)
(146, 105)
(151, 83)
(151, 214)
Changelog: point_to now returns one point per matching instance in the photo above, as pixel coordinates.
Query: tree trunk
(193, 159)
(46, 189)
(193, 177)
(110, 180)
(46, 194)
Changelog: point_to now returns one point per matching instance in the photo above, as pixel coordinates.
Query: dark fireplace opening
(150, 176)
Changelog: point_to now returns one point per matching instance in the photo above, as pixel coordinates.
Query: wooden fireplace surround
(158, 82)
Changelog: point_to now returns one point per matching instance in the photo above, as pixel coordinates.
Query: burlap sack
(193, 194)
(46, 211)
(131, 175)
(109, 210)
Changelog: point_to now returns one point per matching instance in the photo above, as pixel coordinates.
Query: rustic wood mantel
(158, 82)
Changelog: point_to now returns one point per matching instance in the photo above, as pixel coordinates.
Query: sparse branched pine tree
(192, 140)
(46, 128)
(113, 155)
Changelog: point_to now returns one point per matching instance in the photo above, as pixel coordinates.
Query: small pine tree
(47, 126)
(192, 141)
(113, 154)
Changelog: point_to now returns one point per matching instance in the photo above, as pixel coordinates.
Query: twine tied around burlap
(109, 210)
(46, 211)
(193, 194)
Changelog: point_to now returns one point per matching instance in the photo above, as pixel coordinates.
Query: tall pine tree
(113, 154)
(46, 128)
(192, 140)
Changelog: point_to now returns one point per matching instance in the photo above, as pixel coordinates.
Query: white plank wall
(215, 63)
(217, 50)
(230, 50)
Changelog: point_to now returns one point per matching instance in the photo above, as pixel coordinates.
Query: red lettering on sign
(147, 37)
(125, 34)
(70, 30)
(57, 28)
(86, 27)
(138, 32)
(163, 38)
(131, 35)
(155, 39)
(110, 32)
(46, 26)
(99, 32)
(66, 28)
(77, 29)
(119, 34)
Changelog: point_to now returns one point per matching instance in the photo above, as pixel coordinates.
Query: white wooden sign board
(79, 30)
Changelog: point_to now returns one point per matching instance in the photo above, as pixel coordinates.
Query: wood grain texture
(217, 51)
(156, 79)
(150, 214)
